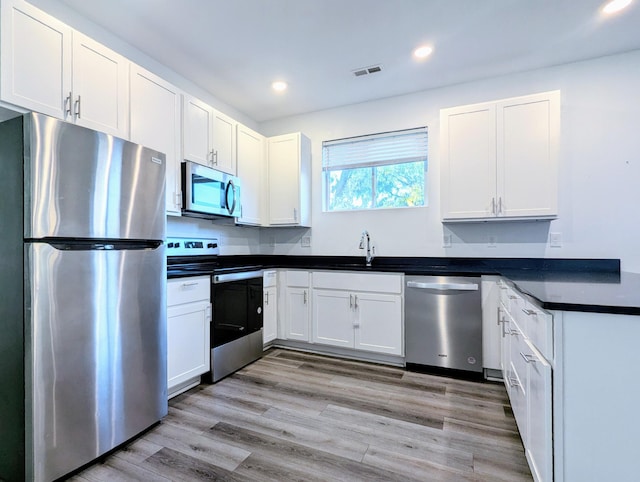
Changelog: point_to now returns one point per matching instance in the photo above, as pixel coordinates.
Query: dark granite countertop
(590, 285)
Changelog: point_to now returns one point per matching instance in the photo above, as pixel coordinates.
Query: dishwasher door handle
(443, 286)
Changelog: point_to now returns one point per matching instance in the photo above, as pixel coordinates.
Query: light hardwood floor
(299, 416)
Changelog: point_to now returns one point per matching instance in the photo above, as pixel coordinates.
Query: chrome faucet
(371, 251)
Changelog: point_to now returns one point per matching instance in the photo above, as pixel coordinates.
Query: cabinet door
(36, 60)
(378, 326)
(188, 353)
(528, 131)
(270, 316)
(155, 123)
(196, 131)
(333, 318)
(539, 446)
(251, 173)
(297, 317)
(224, 142)
(100, 87)
(468, 151)
(284, 179)
(518, 380)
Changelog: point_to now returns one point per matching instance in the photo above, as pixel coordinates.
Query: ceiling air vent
(367, 70)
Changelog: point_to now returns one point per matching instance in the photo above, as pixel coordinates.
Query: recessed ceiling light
(615, 6)
(279, 86)
(422, 52)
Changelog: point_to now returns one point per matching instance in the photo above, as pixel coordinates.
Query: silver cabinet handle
(355, 304)
(266, 298)
(67, 103)
(178, 199)
(190, 284)
(215, 158)
(350, 301)
(499, 205)
(305, 296)
(514, 333)
(513, 382)
(443, 286)
(295, 214)
(493, 205)
(529, 312)
(529, 358)
(78, 104)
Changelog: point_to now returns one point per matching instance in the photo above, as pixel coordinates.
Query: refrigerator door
(96, 344)
(80, 183)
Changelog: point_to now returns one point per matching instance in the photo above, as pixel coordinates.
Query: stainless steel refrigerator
(82, 295)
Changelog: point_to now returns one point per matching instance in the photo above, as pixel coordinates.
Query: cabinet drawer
(269, 279)
(363, 282)
(538, 329)
(187, 290)
(298, 278)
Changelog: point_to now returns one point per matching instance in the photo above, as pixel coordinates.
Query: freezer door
(96, 330)
(80, 183)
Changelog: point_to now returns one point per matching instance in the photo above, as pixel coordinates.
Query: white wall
(599, 177)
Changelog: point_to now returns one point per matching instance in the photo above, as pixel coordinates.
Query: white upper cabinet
(36, 59)
(289, 160)
(251, 171)
(49, 68)
(209, 137)
(500, 159)
(100, 87)
(155, 123)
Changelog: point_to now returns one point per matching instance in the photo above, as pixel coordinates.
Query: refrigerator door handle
(443, 286)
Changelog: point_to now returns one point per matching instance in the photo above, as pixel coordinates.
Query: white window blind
(387, 148)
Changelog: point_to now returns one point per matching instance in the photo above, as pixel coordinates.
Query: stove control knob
(177, 245)
(170, 245)
(212, 245)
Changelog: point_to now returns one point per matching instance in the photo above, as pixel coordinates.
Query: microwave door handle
(232, 187)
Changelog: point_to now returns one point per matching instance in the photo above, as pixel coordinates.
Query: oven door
(237, 306)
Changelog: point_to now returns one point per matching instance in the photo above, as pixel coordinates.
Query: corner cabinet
(188, 332)
(155, 123)
(209, 137)
(500, 159)
(251, 171)
(48, 67)
(358, 310)
(289, 161)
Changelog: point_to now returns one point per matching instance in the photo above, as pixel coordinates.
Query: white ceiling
(236, 48)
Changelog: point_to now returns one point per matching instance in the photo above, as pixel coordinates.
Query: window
(375, 171)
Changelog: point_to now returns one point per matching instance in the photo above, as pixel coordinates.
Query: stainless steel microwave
(209, 193)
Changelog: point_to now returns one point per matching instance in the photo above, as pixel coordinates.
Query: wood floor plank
(178, 466)
(269, 468)
(197, 446)
(137, 451)
(115, 469)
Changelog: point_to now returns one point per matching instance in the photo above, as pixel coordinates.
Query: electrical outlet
(492, 242)
(555, 240)
(305, 241)
(446, 241)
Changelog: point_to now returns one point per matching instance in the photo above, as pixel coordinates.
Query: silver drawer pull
(513, 382)
(511, 297)
(529, 312)
(529, 358)
(188, 285)
(443, 286)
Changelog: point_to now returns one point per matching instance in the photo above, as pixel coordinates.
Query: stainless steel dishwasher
(443, 322)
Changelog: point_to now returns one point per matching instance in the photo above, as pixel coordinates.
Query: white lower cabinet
(188, 332)
(297, 306)
(270, 307)
(526, 344)
(358, 310)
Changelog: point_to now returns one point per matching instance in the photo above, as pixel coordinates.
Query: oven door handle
(226, 278)
(228, 326)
